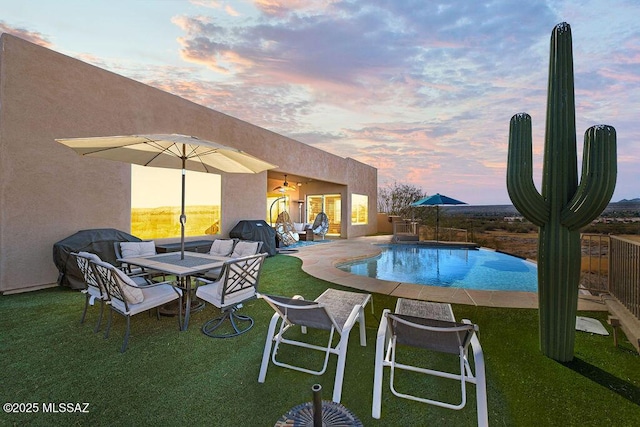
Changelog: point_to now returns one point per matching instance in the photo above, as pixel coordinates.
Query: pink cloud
(32, 36)
(284, 7)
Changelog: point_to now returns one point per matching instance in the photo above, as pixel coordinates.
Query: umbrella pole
(437, 223)
(183, 217)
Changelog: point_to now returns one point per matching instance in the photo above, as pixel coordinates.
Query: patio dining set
(228, 276)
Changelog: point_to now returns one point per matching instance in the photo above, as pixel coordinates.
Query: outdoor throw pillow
(244, 249)
(134, 249)
(130, 289)
(221, 247)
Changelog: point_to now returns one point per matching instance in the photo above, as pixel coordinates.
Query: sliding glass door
(331, 204)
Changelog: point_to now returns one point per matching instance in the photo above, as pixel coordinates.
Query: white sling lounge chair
(446, 336)
(333, 311)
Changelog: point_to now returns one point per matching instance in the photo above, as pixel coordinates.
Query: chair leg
(481, 382)
(97, 328)
(126, 335)
(233, 317)
(363, 329)
(86, 305)
(378, 372)
(180, 318)
(342, 358)
(267, 348)
(212, 325)
(106, 332)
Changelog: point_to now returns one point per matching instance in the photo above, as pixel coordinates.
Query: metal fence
(405, 226)
(624, 273)
(594, 268)
(445, 234)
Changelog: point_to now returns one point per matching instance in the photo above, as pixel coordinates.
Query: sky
(422, 90)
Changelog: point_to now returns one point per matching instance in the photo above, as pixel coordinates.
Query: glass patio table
(184, 269)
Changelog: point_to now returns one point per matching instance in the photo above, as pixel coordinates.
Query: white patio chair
(333, 311)
(238, 283)
(129, 296)
(94, 290)
(435, 335)
(232, 248)
(125, 250)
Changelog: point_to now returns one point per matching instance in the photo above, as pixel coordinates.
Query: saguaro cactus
(563, 207)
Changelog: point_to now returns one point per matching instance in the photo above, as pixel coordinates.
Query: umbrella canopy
(437, 200)
(170, 151)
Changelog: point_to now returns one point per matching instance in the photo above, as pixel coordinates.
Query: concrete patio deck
(319, 260)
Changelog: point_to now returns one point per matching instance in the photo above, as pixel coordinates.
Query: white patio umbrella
(170, 151)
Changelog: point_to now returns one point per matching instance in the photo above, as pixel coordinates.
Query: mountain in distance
(622, 208)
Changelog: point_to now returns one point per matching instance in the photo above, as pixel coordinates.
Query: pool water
(479, 269)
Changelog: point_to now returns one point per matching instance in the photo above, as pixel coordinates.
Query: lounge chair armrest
(469, 322)
(353, 316)
(382, 328)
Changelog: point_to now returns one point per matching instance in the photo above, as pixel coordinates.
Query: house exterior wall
(48, 192)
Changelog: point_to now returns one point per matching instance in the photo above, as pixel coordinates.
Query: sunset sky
(423, 90)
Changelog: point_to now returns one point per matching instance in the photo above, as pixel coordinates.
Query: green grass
(167, 377)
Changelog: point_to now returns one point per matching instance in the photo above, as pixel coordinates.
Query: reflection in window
(331, 204)
(359, 209)
(156, 202)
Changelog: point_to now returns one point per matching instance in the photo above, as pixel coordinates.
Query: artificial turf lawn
(167, 377)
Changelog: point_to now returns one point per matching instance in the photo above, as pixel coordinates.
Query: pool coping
(320, 260)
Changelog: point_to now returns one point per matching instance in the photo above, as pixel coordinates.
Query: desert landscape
(502, 228)
(161, 222)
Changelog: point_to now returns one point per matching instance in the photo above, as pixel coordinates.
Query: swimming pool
(479, 269)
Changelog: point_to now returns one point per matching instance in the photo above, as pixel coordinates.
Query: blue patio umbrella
(437, 200)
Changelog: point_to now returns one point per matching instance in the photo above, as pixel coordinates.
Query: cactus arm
(598, 179)
(520, 186)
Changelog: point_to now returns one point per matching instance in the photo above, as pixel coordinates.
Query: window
(359, 209)
(156, 200)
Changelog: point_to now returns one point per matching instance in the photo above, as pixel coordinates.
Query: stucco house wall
(48, 192)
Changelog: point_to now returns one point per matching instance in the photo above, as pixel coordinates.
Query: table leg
(190, 303)
(187, 311)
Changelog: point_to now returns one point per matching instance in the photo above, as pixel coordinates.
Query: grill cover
(98, 241)
(256, 230)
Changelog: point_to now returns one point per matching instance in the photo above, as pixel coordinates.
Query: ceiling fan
(284, 187)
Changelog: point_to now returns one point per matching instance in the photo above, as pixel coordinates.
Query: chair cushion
(134, 295)
(153, 297)
(213, 274)
(221, 247)
(299, 226)
(134, 249)
(212, 293)
(244, 249)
